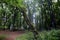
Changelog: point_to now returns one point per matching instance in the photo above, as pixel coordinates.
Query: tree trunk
(52, 16)
(33, 29)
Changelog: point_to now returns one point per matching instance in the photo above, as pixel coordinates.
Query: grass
(26, 36)
(2, 37)
(44, 35)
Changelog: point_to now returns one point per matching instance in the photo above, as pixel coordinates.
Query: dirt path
(11, 35)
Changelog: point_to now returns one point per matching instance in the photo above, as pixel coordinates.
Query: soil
(11, 35)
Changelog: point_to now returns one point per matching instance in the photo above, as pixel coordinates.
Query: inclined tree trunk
(33, 29)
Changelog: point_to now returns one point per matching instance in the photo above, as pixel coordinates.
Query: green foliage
(18, 3)
(7, 8)
(43, 19)
(50, 35)
(26, 36)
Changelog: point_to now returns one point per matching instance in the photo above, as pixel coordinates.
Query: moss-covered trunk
(33, 28)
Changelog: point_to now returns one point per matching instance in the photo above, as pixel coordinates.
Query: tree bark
(33, 29)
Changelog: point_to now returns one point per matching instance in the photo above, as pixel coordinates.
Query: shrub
(50, 35)
(26, 36)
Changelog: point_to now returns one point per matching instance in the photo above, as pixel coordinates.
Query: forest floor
(11, 35)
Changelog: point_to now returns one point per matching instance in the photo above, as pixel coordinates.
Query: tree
(17, 4)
